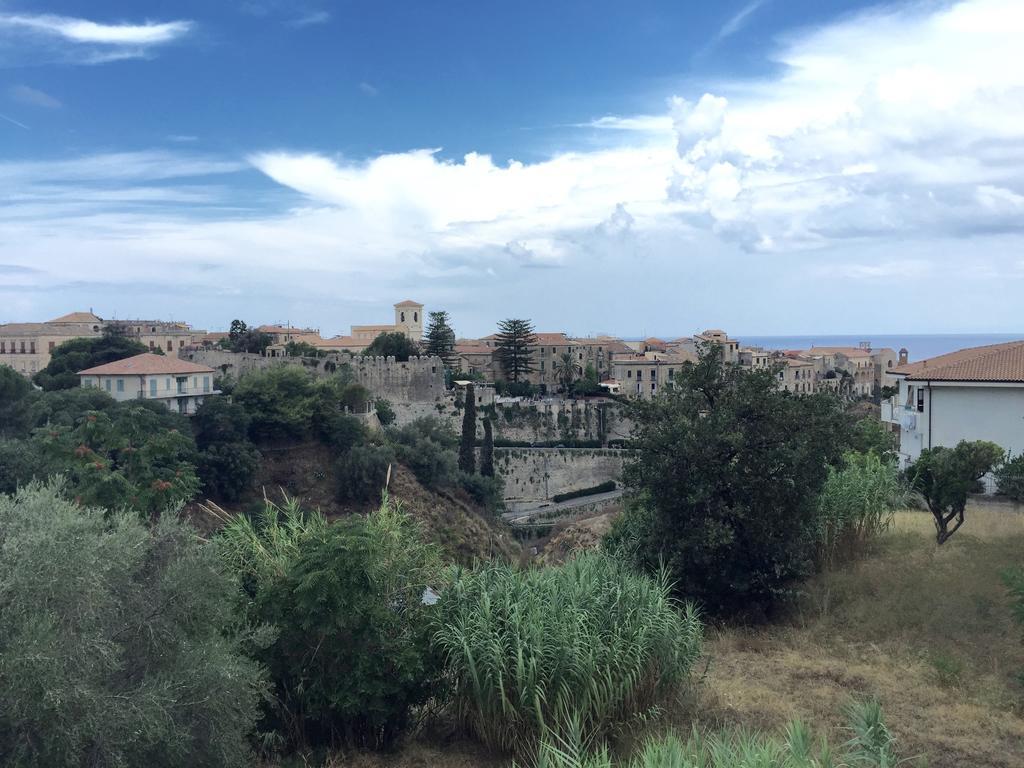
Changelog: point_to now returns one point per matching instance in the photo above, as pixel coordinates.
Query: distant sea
(918, 345)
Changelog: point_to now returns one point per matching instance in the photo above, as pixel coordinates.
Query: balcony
(891, 411)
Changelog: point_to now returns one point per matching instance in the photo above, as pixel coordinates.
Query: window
(86, 382)
(151, 345)
(52, 345)
(181, 343)
(3, 347)
(920, 399)
(152, 387)
(653, 385)
(206, 383)
(542, 365)
(167, 383)
(23, 347)
(415, 317)
(120, 385)
(910, 396)
(170, 346)
(629, 374)
(888, 364)
(106, 384)
(671, 373)
(32, 347)
(639, 375)
(402, 317)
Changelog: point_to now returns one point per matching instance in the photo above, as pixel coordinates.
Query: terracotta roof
(796, 362)
(77, 317)
(373, 328)
(16, 329)
(146, 364)
(995, 362)
(408, 303)
(284, 329)
(342, 342)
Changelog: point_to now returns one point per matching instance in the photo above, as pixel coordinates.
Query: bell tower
(409, 319)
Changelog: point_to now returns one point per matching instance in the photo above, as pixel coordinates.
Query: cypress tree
(467, 456)
(487, 452)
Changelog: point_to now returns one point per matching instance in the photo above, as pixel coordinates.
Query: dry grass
(925, 629)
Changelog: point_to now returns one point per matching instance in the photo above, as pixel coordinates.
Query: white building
(972, 394)
(178, 384)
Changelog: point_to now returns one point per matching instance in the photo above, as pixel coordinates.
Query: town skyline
(778, 168)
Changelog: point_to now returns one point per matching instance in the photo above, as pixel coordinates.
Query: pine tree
(487, 451)
(440, 338)
(467, 455)
(515, 337)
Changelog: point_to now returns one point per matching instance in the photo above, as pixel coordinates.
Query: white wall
(964, 412)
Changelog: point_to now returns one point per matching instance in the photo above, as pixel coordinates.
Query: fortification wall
(419, 380)
(540, 473)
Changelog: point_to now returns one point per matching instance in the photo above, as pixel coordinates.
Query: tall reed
(856, 505)
(581, 648)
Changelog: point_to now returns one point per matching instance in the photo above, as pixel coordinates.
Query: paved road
(557, 509)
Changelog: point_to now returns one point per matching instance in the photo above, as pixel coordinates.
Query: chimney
(903, 356)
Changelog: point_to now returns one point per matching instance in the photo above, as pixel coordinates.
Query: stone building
(26, 347)
(167, 336)
(408, 320)
(643, 376)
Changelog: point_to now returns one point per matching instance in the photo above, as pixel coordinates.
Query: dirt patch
(576, 536)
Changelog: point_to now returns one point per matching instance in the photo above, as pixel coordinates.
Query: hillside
(464, 530)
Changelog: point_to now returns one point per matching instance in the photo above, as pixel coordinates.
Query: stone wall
(420, 380)
(537, 474)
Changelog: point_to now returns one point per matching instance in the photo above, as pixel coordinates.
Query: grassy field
(926, 630)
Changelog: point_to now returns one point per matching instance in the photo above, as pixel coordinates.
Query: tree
(226, 470)
(727, 476)
(237, 330)
(302, 349)
(567, 369)
(467, 445)
(361, 472)
(870, 435)
(589, 384)
(79, 354)
(14, 390)
(279, 401)
(440, 338)
(515, 337)
(136, 455)
(220, 420)
(119, 642)
(946, 476)
(487, 451)
(394, 344)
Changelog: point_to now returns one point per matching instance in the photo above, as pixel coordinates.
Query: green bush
(514, 389)
(118, 643)
(856, 505)
(605, 487)
(1010, 477)
(529, 653)
(486, 490)
(385, 411)
(220, 420)
(427, 447)
(279, 401)
(352, 652)
(361, 472)
(226, 470)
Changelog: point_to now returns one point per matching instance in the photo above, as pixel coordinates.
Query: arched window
(889, 364)
(403, 317)
(415, 317)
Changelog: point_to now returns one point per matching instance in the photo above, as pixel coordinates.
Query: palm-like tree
(568, 369)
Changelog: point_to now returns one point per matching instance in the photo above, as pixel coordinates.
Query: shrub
(514, 389)
(279, 401)
(487, 491)
(361, 473)
(340, 431)
(78, 354)
(352, 653)
(392, 344)
(226, 470)
(219, 420)
(118, 644)
(856, 505)
(427, 447)
(591, 642)
(1010, 477)
(605, 487)
(870, 435)
(385, 411)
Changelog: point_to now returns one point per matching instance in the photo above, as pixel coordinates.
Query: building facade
(178, 384)
(26, 347)
(972, 394)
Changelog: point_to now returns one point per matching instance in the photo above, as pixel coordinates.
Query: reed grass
(581, 649)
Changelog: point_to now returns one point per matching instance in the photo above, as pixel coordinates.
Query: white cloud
(368, 88)
(33, 97)
(313, 18)
(83, 41)
(887, 148)
(738, 20)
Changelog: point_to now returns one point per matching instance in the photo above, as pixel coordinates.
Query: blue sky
(768, 167)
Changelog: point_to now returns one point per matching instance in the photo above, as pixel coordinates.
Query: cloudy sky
(766, 166)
